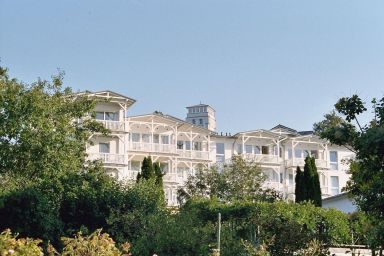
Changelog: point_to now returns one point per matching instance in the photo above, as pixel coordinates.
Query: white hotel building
(182, 147)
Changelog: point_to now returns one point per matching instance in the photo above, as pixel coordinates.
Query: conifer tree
(308, 188)
(147, 171)
(299, 187)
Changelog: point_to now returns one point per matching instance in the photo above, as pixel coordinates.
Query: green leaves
(39, 133)
(367, 169)
(351, 107)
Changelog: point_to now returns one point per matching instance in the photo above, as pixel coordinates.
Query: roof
(283, 128)
(107, 94)
(201, 105)
(303, 133)
(339, 196)
(171, 119)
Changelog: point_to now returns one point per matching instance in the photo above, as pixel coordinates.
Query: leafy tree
(239, 180)
(39, 137)
(367, 141)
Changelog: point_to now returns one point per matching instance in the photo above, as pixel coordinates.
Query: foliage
(308, 183)
(128, 221)
(96, 243)
(239, 180)
(284, 227)
(38, 135)
(299, 186)
(149, 171)
(11, 245)
(314, 248)
(367, 141)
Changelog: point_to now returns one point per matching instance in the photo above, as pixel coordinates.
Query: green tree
(239, 180)
(147, 170)
(341, 127)
(39, 135)
(308, 188)
(158, 174)
(299, 186)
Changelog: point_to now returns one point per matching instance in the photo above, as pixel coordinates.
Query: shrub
(11, 245)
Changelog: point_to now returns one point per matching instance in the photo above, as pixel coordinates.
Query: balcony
(114, 126)
(193, 154)
(320, 163)
(108, 158)
(152, 147)
(263, 159)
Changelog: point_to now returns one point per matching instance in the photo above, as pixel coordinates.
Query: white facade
(182, 148)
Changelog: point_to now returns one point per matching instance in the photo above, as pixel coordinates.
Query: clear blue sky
(257, 62)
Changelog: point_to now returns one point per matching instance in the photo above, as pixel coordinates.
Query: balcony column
(293, 153)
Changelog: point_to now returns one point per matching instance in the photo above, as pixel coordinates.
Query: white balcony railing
(194, 154)
(263, 159)
(108, 158)
(320, 163)
(152, 147)
(113, 125)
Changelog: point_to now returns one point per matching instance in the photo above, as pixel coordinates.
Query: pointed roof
(283, 129)
(110, 95)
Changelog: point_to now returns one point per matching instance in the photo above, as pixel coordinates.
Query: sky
(258, 63)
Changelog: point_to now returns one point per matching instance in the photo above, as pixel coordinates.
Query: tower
(202, 115)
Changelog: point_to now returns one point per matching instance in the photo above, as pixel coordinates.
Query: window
(248, 149)
(99, 115)
(197, 146)
(298, 153)
(164, 139)
(187, 145)
(136, 137)
(305, 153)
(220, 148)
(180, 144)
(110, 116)
(135, 165)
(333, 160)
(239, 149)
(289, 153)
(200, 121)
(193, 121)
(281, 178)
(265, 150)
(205, 109)
(145, 138)
(220, 153)
(290, 179)
(156, 138)
(164, 167)
(257, 150)
(104, 148)
(334, 185)
(315, 154)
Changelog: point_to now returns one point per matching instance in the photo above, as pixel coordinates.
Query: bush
(11, 245)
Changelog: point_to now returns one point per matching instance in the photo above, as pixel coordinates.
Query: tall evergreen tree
(147, 170)
(158, 174)
(309, 185)
(299, 187)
